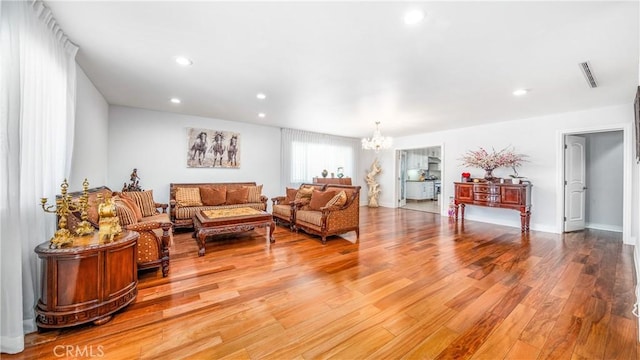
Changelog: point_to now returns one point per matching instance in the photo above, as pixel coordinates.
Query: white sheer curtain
(305, 154)
(37, 108)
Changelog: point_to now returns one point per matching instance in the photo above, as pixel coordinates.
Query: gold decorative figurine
(84, 227)
(109, 222)
(63, 236)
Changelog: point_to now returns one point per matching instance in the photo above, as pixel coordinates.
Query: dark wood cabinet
(509, 196)
(87, 281)
(339, 181)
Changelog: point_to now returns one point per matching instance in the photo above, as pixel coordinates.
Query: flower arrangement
(481, 158)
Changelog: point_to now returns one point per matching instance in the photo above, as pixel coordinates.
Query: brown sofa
(283, 208)
(153, 243)
(330, 220)
(182, 215)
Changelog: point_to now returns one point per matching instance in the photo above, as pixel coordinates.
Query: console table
(87, 281)
(335, 180)
(508, 196)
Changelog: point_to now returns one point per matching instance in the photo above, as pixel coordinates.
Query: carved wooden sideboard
(87, 281)
(335, 180)
(509, 196)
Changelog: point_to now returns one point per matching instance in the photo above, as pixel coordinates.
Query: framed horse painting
(213, 148)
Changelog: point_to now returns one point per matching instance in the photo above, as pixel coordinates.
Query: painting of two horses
(212, 149)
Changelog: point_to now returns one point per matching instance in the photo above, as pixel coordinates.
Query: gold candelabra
(65, 206)
(109, 221)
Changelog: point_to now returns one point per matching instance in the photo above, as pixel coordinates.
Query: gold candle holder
(84, 227)
(62, 236)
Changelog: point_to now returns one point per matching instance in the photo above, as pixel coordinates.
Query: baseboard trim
(606, 227)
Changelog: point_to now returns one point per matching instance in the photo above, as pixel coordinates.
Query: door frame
(443, 185)
(627, 138)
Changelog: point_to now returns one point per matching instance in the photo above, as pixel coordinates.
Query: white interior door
(402, 178)
(574, 183)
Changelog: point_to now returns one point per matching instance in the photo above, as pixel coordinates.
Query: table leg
(456, 216)
(200, 238)
(462, 211)
(272, 229)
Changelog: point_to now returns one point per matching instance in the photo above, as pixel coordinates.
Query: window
(305, 155)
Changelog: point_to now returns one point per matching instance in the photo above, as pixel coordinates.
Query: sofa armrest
(163, 206)
(278, 200)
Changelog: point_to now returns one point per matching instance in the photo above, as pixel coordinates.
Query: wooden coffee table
(225, 221)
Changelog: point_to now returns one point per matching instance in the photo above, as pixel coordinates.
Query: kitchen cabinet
(420, 190)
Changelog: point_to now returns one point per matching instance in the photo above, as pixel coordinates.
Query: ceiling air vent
(586, 71)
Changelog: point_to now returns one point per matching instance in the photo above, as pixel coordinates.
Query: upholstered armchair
(339, 215)
(154, 229)
(283, 208)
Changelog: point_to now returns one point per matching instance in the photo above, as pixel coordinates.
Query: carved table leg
(200, 238)
(272, 229)
(528, 221)
(456, 216)
(523, 221)
(462, 212)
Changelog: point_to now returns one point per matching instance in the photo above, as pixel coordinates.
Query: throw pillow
(254, 193)
(304, 193)
(291, 195)
(213, 195)
(237, 196)
(188, 196)
(319, 199)
(131, 204)
(144, 200)
(124, 213)
(339, 200)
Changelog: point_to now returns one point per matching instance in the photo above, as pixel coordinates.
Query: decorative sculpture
(64, 206)
(374, 191)
(109, 225)
(134, 186)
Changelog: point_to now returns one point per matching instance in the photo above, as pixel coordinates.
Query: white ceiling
(337, 67)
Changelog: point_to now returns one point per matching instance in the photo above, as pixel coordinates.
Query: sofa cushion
(339, 200)
(131, 204)
(309, 216)
(213, 195)
(254, 193)
(188, 196)
(124, 213)
(291, 195)
(319, 199)
(282, 210)
(238, 196)
(145, 201)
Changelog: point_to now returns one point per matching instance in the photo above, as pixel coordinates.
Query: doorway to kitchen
(420, 179)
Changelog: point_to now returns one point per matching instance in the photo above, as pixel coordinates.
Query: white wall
(156, 144)
(536, 137)
(604, 180)
(90, 148)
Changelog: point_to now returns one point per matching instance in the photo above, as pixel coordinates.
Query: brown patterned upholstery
(283, 211)
(182, 216)
(155, 237)
(331, 220)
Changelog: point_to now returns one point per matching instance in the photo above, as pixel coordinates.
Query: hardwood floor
(415, 286)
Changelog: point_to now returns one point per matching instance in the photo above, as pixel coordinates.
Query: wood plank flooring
(415, 286)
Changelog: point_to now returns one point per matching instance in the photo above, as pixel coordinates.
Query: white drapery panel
(37, 108)
(305, 154)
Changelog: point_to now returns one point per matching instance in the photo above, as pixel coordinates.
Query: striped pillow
(124, 213)
(254, 193)
(339, 200)
(145, 202)
(188, 196)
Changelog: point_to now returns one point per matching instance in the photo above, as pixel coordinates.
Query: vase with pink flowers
(489, 161)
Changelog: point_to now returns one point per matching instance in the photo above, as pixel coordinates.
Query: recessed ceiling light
(181, 60)
(261, 96)
(262, 115)
(413, 17)
(520, 92)
(175, 101)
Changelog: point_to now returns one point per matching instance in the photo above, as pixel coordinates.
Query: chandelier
(377, 141)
